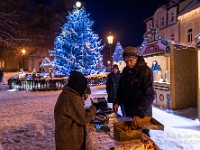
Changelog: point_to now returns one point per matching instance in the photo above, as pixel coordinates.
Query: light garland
(189, 14)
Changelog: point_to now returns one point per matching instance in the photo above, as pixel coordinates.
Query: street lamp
(110, 41)
(23, 52)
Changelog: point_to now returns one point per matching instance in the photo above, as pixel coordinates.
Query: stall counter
(162, 94)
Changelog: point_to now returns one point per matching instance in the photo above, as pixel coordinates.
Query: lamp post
(23, 52)
(110, 41)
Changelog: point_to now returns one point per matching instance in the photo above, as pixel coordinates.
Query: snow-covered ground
(27, 123)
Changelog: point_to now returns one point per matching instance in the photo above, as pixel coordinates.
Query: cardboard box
(128, 135)
(150, 123)
(135, 134)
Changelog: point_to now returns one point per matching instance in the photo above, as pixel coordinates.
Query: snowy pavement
(27, 123)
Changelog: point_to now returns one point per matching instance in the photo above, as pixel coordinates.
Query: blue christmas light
(77, 47)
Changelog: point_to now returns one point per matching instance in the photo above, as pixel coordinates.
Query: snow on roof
(148, 19)
(194, 4)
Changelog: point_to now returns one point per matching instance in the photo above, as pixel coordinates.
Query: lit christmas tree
(77, 47)
(117, 56)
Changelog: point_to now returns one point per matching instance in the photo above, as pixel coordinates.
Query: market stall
(175, 77)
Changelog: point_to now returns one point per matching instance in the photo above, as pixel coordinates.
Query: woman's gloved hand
(97, 105)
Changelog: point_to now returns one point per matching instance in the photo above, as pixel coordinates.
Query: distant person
(155, 66)
(34, 74)
(135, 90)
(22, 74)
(70, 115)
(112, 83)
(51, 74)
(1, 75)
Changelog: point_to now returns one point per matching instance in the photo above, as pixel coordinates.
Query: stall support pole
(198, 88)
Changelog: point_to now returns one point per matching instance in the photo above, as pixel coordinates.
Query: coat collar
(67, 89)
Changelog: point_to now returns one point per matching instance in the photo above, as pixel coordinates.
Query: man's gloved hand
(136, 120)
(115, 108)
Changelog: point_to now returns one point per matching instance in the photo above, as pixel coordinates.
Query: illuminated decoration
(168, 97)
(198, 41)
(23, 51)
(64, 32)
(110, 39)
(154, 44)
(198, 44)
(117, 55)
(162, 88)
(190, 14)
(77, 47)
(87, 44)
(78, 4)
(110, 42)
(46, 63)
(161, 97)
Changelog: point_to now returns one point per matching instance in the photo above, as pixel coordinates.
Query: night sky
(124, 18)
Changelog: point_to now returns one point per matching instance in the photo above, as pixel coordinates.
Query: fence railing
(46, 84)
(37, 84)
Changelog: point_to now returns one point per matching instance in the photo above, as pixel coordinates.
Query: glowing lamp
(78, 4)
(23, 51)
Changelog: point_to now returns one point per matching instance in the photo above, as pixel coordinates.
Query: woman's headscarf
(78, 82)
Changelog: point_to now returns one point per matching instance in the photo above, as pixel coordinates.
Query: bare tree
(13, 18)
(17, 30)
(8, 23)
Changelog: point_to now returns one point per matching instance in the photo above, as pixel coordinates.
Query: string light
(191, 13)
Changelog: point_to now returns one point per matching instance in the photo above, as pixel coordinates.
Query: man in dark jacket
(70, 115)
(112, 83)
(135, 90)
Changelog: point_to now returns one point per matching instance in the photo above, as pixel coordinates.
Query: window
(172, 17)
(172, 37)
(189, 35)
(162, 21)
(157, 24)
(149, 26)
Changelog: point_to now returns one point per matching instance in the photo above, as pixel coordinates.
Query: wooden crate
(136, 134)
(150, 123)
(128, 135)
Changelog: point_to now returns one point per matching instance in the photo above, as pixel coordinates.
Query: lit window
(189, 35)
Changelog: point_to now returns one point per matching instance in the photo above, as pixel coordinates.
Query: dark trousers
(146, 131)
